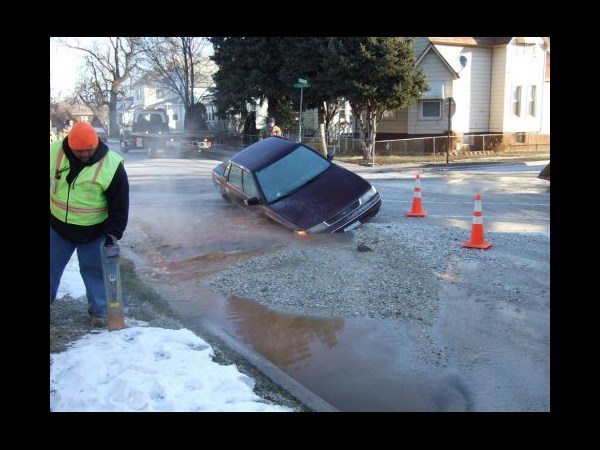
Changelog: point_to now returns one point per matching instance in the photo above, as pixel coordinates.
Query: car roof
(265, 152)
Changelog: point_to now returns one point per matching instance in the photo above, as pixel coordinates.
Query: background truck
(149, 129)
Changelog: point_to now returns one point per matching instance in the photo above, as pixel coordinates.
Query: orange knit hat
(82, 137)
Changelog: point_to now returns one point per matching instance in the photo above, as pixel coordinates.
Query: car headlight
(362, 200)
(367, 195)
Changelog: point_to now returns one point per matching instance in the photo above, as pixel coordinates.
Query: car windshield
(290, 173)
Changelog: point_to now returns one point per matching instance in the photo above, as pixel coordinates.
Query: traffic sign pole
(302, 83)
(300, 118)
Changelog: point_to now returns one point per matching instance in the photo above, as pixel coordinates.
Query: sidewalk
(492, 160)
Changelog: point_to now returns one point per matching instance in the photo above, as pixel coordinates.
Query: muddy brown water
(355, 364)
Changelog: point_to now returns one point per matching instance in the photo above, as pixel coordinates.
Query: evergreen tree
(380, 74)
(374, 73)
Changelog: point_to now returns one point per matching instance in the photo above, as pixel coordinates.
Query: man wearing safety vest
(89, 203)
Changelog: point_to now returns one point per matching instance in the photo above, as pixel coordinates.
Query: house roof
(471, 41)
(432, 48)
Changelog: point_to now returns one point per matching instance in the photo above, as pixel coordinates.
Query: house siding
(498, 105)
(471, 91)
(523, 70)
(396, 124)
(482, 91)
(436, 72)
(545, 127)
(419, 45)
(481, 78)
(451, 54)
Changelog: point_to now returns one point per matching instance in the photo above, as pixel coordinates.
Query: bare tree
(181, 64)
(108, 62)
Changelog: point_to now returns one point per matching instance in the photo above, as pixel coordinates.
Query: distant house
(496, 85)
(144, 93)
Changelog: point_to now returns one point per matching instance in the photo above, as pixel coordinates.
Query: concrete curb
(278, 376)
(204, 327)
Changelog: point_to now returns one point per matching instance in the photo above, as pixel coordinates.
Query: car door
(241, 186)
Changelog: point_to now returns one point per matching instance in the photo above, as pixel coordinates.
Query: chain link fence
(420, 149)
(435, 149)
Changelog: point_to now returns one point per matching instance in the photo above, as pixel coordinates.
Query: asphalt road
(183, 230)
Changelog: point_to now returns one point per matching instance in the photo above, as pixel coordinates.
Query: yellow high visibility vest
(84, 202)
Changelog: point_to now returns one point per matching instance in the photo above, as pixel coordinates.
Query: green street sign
(302, 85)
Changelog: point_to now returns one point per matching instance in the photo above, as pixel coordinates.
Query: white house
(496, 85)
(146, 94)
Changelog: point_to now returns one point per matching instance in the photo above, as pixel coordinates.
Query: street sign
(302, 85)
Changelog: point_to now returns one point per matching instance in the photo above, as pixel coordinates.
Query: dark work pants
(90, 267)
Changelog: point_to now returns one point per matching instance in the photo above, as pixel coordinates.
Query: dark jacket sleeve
(117, 195)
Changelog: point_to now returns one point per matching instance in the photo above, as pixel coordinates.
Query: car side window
(249, 185)
(235, 176)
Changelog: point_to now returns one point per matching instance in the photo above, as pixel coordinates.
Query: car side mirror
(252, 201)
(330, 154)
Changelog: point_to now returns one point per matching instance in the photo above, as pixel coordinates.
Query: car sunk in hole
(297, 187)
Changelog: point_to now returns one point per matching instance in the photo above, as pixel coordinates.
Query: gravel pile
(377, 271)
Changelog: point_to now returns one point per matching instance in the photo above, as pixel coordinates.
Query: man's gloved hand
(110, 240)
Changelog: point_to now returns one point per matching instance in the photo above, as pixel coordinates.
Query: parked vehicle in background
(102, 134)
(545, 173)
(297, 187)
(149, 129)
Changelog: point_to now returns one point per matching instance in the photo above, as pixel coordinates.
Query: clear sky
(143, 368)
(65, 64)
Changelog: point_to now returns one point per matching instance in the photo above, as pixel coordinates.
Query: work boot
(98, 321)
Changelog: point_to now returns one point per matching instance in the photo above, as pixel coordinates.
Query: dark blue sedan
(296, 186)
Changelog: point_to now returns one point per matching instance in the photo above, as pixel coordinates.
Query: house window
(159, 93)
(431, 109)
(526, 50)
(174, 116)
(516, 101)
(531, 100)
(209, 114)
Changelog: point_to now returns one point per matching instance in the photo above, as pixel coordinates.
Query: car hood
(322, 198)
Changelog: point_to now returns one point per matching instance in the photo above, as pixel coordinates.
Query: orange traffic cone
(477, 228)
(417, 209)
